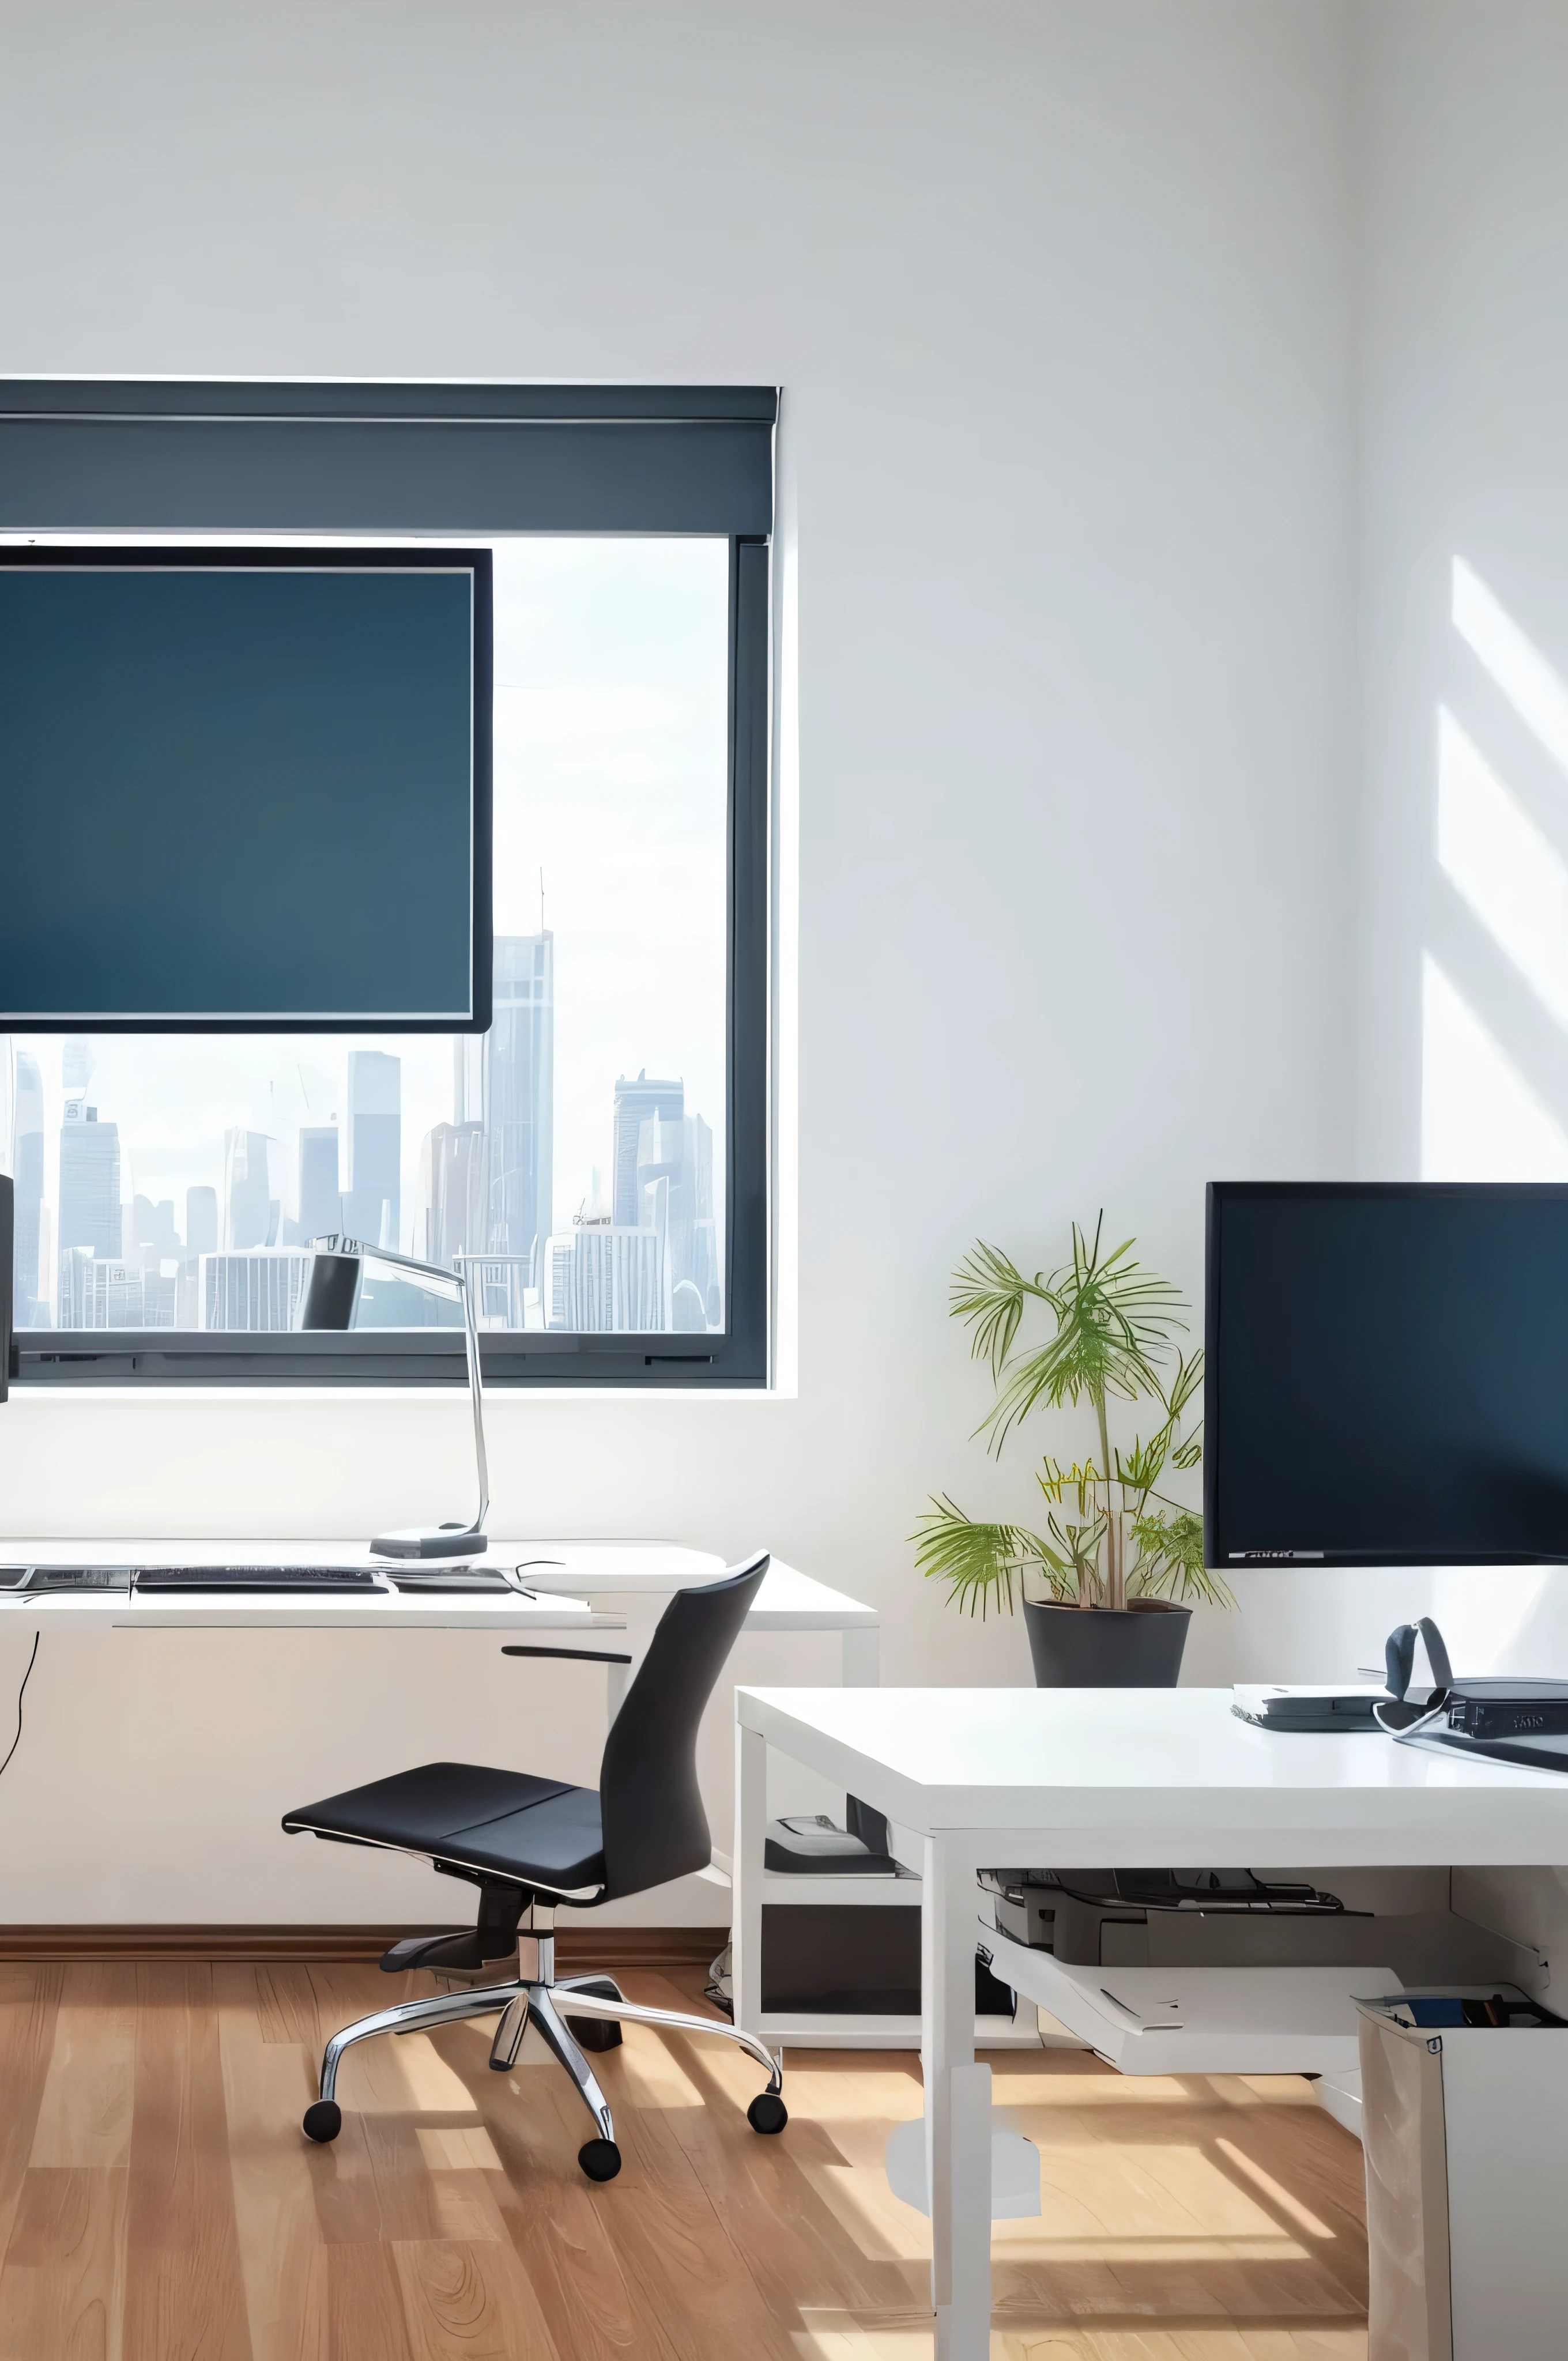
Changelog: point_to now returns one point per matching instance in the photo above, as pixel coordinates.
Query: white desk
(1092, 1778)
(565, 1575)
(346, 1611)
(788, 1600)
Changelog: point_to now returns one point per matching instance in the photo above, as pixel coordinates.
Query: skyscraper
(201, 1238)
(99, 1291)
(370, 1201)
(675, 1195)
(28, 1170)
(153, 1225)
(599, 1277)
(518, 1106)
(253, 1194)
(89, 1181)
(200, 1221)
(636, 1103)
(320, 1199)
(261, 1289)
(454, 1187)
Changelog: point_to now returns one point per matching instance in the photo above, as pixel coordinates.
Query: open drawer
(1198, 2020)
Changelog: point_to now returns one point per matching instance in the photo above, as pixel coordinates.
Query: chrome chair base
(542, 1999)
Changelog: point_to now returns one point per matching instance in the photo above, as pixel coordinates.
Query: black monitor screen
(1387, 1374)
(244, 788)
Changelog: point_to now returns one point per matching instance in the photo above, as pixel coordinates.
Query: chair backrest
(655, 1826)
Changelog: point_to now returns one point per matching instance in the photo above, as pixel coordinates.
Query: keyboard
(65, 1577)
(223, 1580)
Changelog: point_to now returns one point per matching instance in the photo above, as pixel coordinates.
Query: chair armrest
(578, 1655)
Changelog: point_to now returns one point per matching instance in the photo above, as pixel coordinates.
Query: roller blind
(148, 456)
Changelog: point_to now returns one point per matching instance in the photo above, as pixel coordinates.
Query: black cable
(21, 1693)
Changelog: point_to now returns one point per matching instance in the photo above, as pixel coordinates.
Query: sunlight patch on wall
(1533, 687)
(1480, 1119)
(1507, 871)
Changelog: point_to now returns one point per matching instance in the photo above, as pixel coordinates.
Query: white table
(595, 1588)
(271, 1611)
(1092, 1778)
(565, 1575)
(788, 1600)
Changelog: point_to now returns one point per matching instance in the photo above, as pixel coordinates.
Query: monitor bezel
(384, 556)
(1220, 1192)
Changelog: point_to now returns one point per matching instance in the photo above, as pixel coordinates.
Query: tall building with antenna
(487, 1179)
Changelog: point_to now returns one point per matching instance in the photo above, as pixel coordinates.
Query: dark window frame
(687, 458)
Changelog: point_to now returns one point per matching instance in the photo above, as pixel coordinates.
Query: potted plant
(1118, 1558)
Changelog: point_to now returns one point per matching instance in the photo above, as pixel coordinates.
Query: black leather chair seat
(507, 1823)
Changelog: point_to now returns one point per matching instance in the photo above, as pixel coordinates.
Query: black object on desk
(466, 1581)
(811, 1845)
(33, 1578)
(220, 1580)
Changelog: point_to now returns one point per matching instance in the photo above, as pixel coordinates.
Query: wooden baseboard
(575, 1947)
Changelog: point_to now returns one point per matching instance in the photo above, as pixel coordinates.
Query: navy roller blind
(242, 789)
(153, 457)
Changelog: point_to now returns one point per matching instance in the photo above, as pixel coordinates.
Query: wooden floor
(157, 2201)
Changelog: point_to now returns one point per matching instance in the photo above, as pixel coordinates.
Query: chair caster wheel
(767, 2112)
(324, 2121)
(600, 2160)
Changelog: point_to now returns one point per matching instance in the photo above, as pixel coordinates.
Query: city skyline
(650, 1262)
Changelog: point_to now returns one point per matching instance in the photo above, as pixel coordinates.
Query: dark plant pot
(1137, 1647)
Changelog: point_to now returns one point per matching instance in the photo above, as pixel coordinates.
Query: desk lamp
(329, 1302)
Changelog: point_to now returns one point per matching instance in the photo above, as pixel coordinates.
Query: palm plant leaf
(1188, 1376)
(987, 1294)
(1114, 1318)
(1139, 1469)
(976, 1561)
(1057, 1481)
(1170, 1560)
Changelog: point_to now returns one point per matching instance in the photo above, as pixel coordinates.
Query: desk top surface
(564, 1574)
(1171, 1769)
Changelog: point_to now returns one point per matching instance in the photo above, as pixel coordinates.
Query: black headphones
(1399, 1660)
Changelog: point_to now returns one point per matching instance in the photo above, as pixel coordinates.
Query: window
(596, 1162)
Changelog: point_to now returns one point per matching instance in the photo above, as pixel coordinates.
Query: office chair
(532, 1845)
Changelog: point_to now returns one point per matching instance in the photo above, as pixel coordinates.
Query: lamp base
(430, 1541)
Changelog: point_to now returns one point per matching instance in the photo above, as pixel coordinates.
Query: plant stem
(1115, 1586)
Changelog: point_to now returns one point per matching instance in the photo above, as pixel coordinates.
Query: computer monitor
(244, 789)
(1387, 1374)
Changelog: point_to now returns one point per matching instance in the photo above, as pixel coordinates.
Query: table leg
(746, 1873)
(861, 1657)
(958, 2111)
(615, 1689)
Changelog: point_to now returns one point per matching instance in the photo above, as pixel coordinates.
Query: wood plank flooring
(157, 2201)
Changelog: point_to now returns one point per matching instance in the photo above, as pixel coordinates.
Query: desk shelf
(1198, 2020)
(808, 2028)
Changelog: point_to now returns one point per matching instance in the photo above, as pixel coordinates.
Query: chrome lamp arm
(336, 1268)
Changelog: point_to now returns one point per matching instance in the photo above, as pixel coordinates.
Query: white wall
(1059, 298)
(1462, 408)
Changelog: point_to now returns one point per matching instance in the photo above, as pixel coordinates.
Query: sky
(610, 724)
